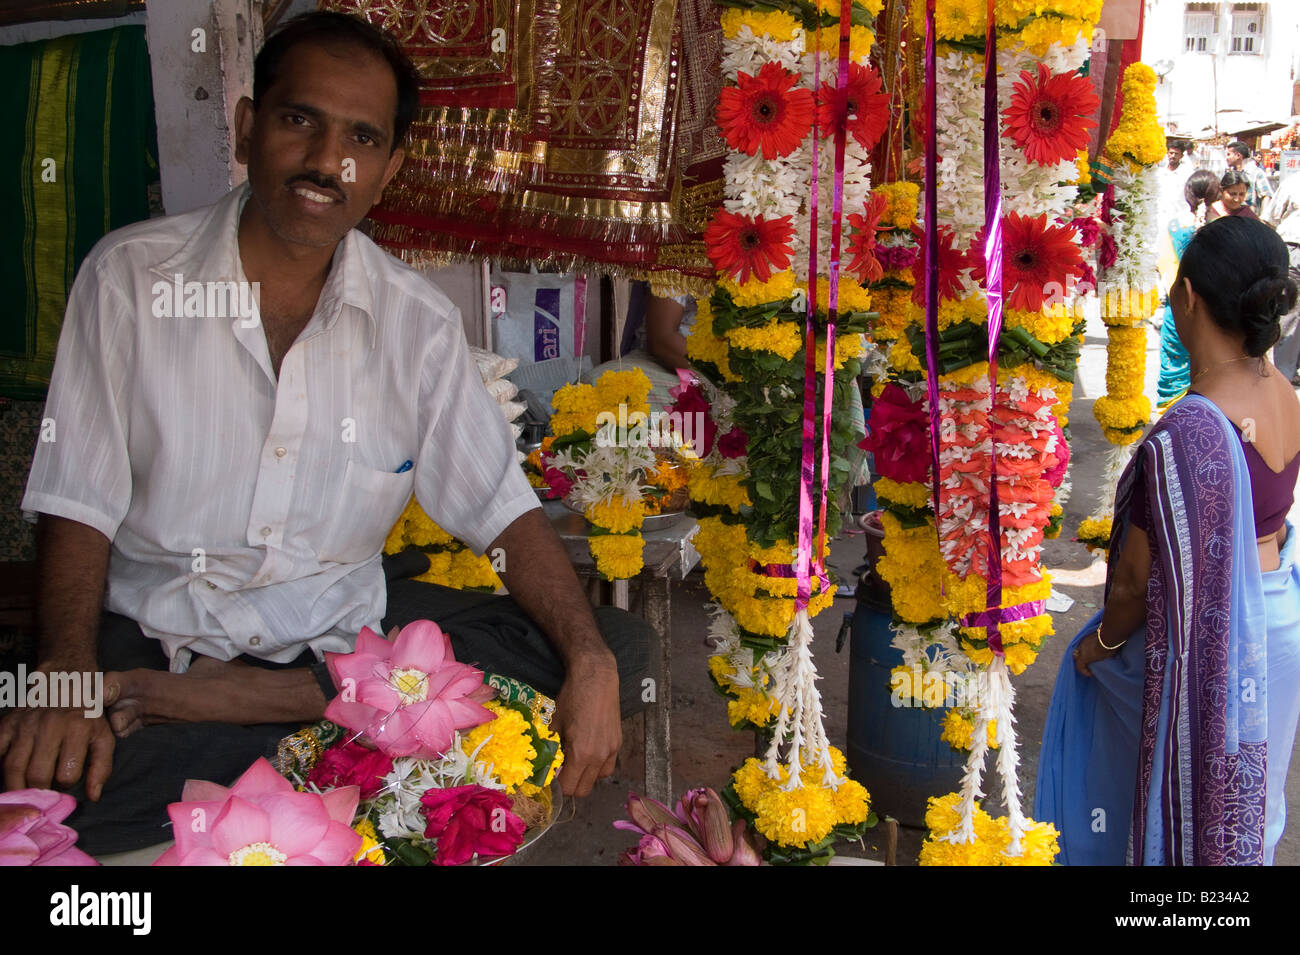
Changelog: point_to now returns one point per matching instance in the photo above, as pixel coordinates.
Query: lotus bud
(648, 813)
(745, 853)
(715, 826)
(682, 847)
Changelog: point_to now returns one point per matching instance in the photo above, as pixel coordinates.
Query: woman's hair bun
(1263, 304)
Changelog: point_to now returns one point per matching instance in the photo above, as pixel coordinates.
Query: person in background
(1283, 214)
(1234, 199)
(658, 346)
(1200, 192)
(1172, 176)
(1258, 187)
(1174, 715)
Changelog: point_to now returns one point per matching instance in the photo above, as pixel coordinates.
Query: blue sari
(1159, 759)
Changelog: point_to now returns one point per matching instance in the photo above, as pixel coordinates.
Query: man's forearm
(543, 583)
(71, 566)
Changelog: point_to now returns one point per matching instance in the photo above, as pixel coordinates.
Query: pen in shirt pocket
(406, 466)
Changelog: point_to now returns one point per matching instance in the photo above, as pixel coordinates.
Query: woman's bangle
(1103, 643)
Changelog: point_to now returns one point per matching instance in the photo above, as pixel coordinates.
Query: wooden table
(668, 554)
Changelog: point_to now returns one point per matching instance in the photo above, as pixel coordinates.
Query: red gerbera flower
(952, 262)
(764, 112)
(864, 264)
(738, 245)
(1038, 261)
(1049, 117)
(868, 107)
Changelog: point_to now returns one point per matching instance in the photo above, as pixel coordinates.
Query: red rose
(689, 401)
(898, 436)
(558, 482)
(466, 820)
(352, 764)
(734, 443)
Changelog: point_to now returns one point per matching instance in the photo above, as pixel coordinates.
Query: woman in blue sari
(1171, 726)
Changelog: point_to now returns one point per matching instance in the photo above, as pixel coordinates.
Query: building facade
(1225, 68)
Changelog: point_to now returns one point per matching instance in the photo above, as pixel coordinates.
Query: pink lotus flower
(31, 830)
(261, 820)
(698, 831)
(470, 820)
(409, 696)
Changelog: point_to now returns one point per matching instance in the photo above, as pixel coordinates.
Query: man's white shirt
(247, 514)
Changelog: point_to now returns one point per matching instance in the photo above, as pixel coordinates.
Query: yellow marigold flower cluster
(913, 567)
(451, 563)
(953, 19)
(669, 475)
(781, 338)
(468, 569)
(439, 571)
(617, 515)
(1095, 532)
(847, 348)
(617, 556)
(1084, 166)
(912, 494)
(782, 552)
(972, 308)
(967, 376)
(861, 39)
(370, 850)
(780, 26)
(420, 530)
(1139, 138)
(703, 346)
(1019, 656)
(1052, 325)
(576, 407)
(1126, 356)
(751, 705)
(544, 732)
(1054, 530)
(992, 838)
(805, 814)
(630, 387)
(833, 6)
(504, 746)
(756, 292)
(1128, 415)
(959, 730)
(901, 357)
(1128, 306)
(893, 304)
(718, 490)
(853, 296)
(1042, 33)
(903, 198)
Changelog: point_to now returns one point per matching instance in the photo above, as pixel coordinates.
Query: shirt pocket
(371, 503)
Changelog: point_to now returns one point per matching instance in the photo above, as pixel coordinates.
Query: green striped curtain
(79, 162)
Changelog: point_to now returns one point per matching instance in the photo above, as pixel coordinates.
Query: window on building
(1200, 27)
(1247, 28)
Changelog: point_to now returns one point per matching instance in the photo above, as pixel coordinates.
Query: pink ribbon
(932, 252)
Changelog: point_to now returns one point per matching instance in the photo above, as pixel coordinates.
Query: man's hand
(587, 719)
(45, 745)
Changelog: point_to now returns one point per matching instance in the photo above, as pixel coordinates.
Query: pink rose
(898, 436)
(351, 764)
(470, 820)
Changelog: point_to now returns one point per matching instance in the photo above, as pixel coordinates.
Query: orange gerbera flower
(765, 112)
(1050, 116)
(867, 106)
(740, 246)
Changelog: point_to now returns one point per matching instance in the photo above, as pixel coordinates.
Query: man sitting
(213, 509)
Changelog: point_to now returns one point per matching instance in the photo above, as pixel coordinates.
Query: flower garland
(451, 562)
(1130, 291)
(1018, 425)
(618, 463)
(777, 113)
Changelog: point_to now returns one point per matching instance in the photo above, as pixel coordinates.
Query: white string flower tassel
(794, 679)
(1004, 700)
(964, 831)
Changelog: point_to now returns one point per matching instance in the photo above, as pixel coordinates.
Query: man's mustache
(323, 184)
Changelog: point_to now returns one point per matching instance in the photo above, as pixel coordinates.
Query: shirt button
(280, 452)
(211, 585)
(266, 532)
(254, 641)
